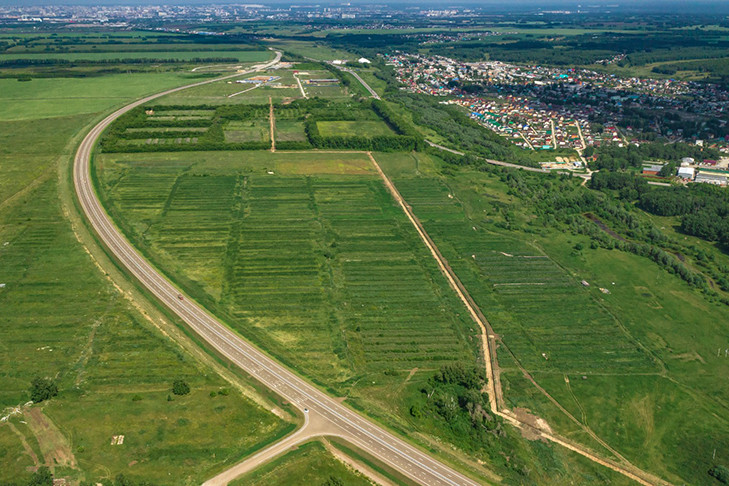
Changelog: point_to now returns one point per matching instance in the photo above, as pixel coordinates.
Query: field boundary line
(42, 177)
(493, 390)
(272, 123)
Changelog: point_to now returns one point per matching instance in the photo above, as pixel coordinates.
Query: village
(546, 108)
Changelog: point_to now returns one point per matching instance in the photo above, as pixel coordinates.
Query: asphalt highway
(336, 418)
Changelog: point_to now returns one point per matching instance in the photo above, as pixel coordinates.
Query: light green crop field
(306, 254)
(126, 46)
(61, 318)
(247, 131)
(54, 97)
(313, 50)
(321, 269)
(353, 128)
(290, 130)
(308, 464)
(241, 56)
(632, 363)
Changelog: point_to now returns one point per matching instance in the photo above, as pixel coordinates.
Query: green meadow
(630, 356)
(307, 464)
(61, 318)
(238, 55)
(371, 128)
(56, 97)
(306, 254)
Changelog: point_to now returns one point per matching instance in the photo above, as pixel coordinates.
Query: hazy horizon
(573, 4)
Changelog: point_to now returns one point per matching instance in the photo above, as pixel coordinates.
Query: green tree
(42, 477)
(180, 387)
(42, 389)
(721, 474)
(333, 481)
(668, 170)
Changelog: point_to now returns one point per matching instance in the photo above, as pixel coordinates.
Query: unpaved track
(493, 386)
(338, 419)
(272, 122)
(490, 161)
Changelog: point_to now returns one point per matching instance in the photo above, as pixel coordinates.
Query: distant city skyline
(656, 5)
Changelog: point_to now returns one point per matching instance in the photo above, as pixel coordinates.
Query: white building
(709, 178)
(686, 173)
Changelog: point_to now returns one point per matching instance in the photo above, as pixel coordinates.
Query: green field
(247, 131)
(230, 92)
(338, 296)
(306, 254)
(631, 363)
(307, 464)
(55, 97)
(290, 131)
(363, 128)
(241, 56)
(315, 50)
(62, 318)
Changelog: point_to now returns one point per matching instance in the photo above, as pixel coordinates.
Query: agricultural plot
(247, 131)
(369, 128)
(549, 321)
(183, 56)
(53, 97)
(189, 128)
(62, 318)
(617, 353)
(322, 270)
(290, 131)
(322, 84)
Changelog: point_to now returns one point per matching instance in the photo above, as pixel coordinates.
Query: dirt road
(272, 123)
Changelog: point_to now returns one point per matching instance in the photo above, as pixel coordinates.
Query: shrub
(42, 477)
(720, 473)
(180, 387)
(42, 389)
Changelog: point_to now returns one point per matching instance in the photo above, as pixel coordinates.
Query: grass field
(247, 131)
(631, 364)
(318, 268)
(317, 265)
(61, 318)
(308, 464)
(53, 97)
(290, 131)
(370, 128)
(314, 50)
(241, 56)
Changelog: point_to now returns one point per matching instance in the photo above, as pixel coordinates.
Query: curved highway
(337, 418)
